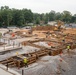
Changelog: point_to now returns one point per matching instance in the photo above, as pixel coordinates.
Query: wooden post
(0, 39)
(22, 72)
(4, 40)
(18, 44)
(18, 64)
(0, 36)
(13, 44)
(7, 65)
(9, 41)
(4, 47)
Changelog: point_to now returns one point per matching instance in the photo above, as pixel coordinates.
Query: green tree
(28, 16)
(73, 19)
(18, 17)
(52, 16)
(42, 16)
(21, 17)
(58, 16)
(46, 18)
(66, 16)
(38, 20)
(5, 15)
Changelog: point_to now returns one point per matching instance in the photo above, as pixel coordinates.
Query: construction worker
(17, 53)
(25, 62)
(63, 39)
(68, 48)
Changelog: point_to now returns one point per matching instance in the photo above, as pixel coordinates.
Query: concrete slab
(4, 72)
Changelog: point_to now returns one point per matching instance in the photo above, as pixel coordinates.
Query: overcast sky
(42, 6)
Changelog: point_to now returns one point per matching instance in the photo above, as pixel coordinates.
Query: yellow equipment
(59, 24)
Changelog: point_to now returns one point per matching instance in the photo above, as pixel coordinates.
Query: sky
(42, 6)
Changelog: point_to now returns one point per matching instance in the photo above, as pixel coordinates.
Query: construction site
(45, 48)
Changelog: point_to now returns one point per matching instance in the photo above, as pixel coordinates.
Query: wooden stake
(22, 72)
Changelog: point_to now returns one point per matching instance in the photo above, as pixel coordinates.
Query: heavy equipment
(59, 25)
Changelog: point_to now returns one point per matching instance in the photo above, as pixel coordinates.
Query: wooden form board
(17, 61)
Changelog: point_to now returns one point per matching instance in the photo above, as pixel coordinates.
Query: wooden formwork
(31, 42)
(55, 52)
(34, 45)
(17, 61)
(58, 50)
(37, 40)
(42, 53)
(32, 59)
(9, 61)
(73, 46)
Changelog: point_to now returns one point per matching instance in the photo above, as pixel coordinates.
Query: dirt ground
(70, 30)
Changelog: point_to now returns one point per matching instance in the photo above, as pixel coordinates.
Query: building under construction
(45, 48)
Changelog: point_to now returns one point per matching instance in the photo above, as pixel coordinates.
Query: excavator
(58, 27)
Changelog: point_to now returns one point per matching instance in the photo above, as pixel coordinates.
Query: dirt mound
(43, 28)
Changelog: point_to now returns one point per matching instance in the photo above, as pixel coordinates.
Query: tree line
(21, 17)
